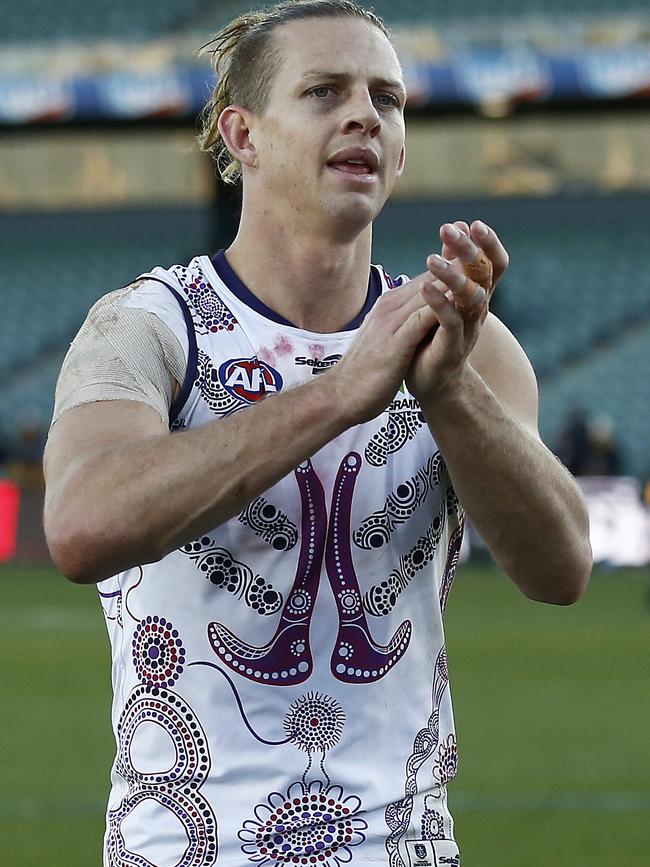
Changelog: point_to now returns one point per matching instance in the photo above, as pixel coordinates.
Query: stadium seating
(93, 19)
(52, 269)
(70, 20)
(574, 295)
(612, 382)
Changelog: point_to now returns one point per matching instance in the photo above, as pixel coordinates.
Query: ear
(235, 131)
(402, 161)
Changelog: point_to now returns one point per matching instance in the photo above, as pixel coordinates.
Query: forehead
(344, 45)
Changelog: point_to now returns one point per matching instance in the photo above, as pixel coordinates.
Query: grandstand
(574, 295)
(530, 115)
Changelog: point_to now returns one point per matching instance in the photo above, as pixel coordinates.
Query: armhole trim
(192, 355)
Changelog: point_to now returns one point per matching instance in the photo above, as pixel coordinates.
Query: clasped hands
(471, 262)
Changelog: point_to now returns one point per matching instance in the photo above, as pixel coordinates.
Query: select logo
(318, 365)
(249, 379)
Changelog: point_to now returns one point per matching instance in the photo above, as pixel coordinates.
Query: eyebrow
(392, 83)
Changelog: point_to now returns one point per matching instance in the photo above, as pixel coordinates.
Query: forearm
(521, 500)
(129, 504)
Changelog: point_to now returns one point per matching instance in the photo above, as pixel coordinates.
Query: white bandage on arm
(122, 352)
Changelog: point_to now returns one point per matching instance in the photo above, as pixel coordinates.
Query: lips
(355, 161)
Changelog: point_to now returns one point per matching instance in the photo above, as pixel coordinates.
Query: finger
(469, 297)
(446, 311)
(488, 240)
(474, 261)
(447, 252)
(418, 325)
(403, 295)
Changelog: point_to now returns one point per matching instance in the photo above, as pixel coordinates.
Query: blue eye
(387, 100)
(321, 92)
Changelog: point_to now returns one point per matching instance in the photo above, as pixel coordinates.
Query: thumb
(415, 328)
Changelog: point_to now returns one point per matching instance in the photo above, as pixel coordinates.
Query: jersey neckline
(241, 291)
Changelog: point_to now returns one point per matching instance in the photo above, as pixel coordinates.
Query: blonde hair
(245, 59)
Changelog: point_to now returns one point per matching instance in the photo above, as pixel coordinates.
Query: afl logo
(249, 379)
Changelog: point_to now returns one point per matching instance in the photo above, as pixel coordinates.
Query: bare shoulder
(502, 363)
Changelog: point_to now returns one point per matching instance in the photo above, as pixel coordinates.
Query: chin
(356, 213)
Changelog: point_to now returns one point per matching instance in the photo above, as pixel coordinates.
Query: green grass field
(552, 708)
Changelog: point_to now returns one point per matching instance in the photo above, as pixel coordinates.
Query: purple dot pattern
(314, 723)
(311, 824)
(158, 653)
(177, 789)
(220, 401)
(209, 313)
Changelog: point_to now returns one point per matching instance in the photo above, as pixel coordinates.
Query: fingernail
(480, 228)
(439, 262)
(452, 231)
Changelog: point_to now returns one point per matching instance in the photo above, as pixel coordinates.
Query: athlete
(263, 459)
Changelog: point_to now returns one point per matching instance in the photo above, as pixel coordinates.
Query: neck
(318, 282)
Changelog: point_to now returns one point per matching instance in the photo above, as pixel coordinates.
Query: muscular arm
(115, 500)
(122, 491)
(525, 505)
(479, 395)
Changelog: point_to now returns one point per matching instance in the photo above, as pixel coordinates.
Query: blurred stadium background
(527, 115)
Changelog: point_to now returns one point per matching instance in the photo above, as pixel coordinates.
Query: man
(280, 566)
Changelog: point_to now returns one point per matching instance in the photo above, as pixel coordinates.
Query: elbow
(86, 554)
(566, 583)
(72, 558)
(74, 551)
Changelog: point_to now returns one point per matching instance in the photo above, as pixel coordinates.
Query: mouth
(355, 163)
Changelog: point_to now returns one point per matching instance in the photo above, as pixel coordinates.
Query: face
(330, 142)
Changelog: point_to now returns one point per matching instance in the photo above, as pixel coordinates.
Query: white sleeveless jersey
(281, 693)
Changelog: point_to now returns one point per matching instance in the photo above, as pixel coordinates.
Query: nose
(362, 115)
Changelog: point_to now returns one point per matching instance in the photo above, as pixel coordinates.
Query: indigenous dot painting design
(398, 814)
(286, 659)
(158, 653)
(446, 764)
(376, 530)
(356, 657)
(219, 399)
(314, 824)
(432, 825)
(270, 524)
(381, 598)
(314, 723)
(453, 555)
(401, 427)
(222, 570)
(177, 789)
(209, 313)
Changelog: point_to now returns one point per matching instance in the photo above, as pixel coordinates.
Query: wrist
(332, 403)
(454, 395)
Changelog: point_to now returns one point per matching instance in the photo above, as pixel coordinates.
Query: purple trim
(238, 287)
(192, 358)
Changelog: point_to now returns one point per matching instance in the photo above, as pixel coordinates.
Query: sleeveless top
(280, 684)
